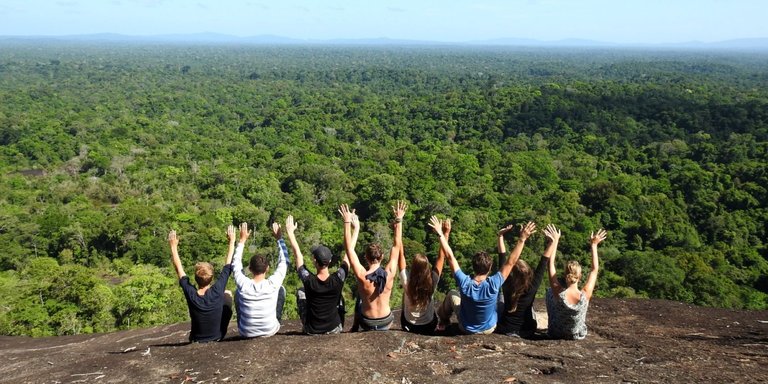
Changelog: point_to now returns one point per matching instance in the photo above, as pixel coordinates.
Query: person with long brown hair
(419, 286)
(567, 307)
(516, 315)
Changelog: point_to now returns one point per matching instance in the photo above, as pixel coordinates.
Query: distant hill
(755, 44)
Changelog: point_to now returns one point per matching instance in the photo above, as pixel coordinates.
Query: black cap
(322, 254)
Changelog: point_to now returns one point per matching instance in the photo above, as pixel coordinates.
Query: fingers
(345, 212)
(446, 226)
(599, 236)
(506, 229)
(551, 232)
(435, 223)
(171, 235)
(399, 208)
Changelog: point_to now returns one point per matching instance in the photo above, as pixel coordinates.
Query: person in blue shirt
(475, 301)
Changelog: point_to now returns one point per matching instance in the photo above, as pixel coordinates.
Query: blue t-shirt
(478, 301)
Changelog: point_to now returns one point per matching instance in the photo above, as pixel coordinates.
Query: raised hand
(436, 225)
(173, 239)
(596, 238)
(290, 225)
(231, 234)
(355, 221)
(244, 232)
(552, 233)
(506, 229)
(447, 227)
(346, 214)
(399, 210)
(527, 230)
(276, 232)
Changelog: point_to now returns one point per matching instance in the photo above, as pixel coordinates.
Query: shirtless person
(374, 285)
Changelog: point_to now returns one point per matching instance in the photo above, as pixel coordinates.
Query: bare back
(375, 305)
(573, 295)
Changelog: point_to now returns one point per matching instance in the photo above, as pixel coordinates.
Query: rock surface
(635, 341)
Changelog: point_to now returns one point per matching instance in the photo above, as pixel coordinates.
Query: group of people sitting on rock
(484, 303)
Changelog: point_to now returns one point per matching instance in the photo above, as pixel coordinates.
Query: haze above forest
(751, 44)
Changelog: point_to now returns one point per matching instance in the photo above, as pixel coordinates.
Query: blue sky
(620, 21)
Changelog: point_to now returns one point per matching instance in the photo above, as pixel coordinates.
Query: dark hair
(420, 284)
(373, 253)
(258, 265)
(481, 263)
(521, 279)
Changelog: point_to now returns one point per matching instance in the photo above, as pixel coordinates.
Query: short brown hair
(373, 253)
(481, 263)
(258, 265)
(203, 274)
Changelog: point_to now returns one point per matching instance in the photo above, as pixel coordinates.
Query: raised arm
(237, 261)
(401, 264)
(553, 234)
(437, 226)
(349, 242)
(231, 249)
(290, 229)
(501, 246)
(594, 240)
(438, 267)
(525, 232)
(282, 258)
(397, 246)
(355, 233)
(173, 240)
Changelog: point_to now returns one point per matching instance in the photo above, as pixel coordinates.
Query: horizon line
(758, 42)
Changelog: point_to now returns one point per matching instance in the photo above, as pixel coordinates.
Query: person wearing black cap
(320, 303)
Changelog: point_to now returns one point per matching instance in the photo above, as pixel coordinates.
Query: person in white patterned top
(567, 307)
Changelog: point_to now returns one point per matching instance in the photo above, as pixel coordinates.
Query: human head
(420, 284)
(203, 274)
(322, 255)
(481, 263)
(522, 274)
(373, 253)
(258, 265)
(572, 272)
(521, 278)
